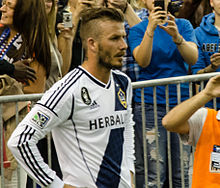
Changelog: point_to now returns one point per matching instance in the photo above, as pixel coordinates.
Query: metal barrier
(166, 82)
(151, 83)
(16, 99)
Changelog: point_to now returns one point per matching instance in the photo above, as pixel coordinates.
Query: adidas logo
(94, 105)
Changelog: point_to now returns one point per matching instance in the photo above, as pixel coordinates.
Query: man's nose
(124, 44)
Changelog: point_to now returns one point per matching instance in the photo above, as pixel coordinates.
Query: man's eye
(115, 38)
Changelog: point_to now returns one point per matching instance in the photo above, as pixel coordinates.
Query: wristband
(180, 41)
(150, 36)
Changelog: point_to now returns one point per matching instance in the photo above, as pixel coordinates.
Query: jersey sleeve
(187, 31)
(129, 131)
(43, 117)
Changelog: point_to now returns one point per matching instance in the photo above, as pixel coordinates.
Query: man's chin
(117, 66)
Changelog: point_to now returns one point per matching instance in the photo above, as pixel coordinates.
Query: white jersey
(92, 128)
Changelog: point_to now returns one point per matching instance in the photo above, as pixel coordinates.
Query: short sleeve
(187, 31)
(196, 123)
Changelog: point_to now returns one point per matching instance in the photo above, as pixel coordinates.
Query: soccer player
(201, 128)
(88, 112)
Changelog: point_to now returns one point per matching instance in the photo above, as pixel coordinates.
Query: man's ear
(92, 44)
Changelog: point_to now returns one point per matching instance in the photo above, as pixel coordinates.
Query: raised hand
(215, 60)
(65, 32)
(118, 4)
(156, 17)
(212, 88)
(82, 4)
(171, 27)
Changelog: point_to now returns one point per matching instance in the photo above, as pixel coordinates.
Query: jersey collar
(107, 86)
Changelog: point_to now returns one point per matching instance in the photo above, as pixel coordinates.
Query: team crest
(85, 96)
(122, 98)
(40, 119)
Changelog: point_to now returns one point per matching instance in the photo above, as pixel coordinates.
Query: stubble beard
(105, 60)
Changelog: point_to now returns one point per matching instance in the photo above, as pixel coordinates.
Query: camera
(67, 19)
(174, 6)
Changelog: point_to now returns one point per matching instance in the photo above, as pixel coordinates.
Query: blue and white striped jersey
(92, 128)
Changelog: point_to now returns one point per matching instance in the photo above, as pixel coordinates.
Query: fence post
(144, 137)
(1, 138)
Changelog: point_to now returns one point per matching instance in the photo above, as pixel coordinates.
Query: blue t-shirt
(166, 61)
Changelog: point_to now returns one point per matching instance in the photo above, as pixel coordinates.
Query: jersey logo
(85, 96)
(40, 119)
(122, 98)
(94, 105)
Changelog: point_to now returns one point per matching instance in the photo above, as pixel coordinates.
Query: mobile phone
(67, 19)
(159, 3)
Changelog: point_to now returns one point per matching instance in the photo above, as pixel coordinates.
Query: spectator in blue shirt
(207, 35)
(163, 47)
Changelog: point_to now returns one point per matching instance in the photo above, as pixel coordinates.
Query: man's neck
(100, 73)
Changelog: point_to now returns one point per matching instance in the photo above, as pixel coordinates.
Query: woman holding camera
(163, 47)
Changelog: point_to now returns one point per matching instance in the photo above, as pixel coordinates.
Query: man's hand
(83, 4)
(23, 72)
(66, 33)
(212, 88)
(156, 17)
(171, 27)
(68, 186)
(118, 4)
(215, 60)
